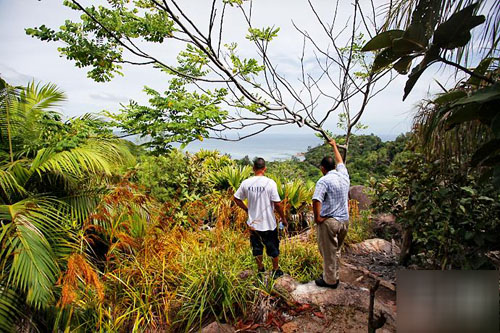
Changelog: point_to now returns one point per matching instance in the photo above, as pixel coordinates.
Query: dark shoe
(276, 274)
(321, 283)
(260, 272)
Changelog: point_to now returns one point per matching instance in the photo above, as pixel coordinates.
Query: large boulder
(385, 226)
(360, 194)
(374, 245)
(346, 295)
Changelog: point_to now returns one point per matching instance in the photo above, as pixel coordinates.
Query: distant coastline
(269, 146)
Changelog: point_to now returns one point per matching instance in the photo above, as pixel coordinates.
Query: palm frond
(399, 15)
(439, 142)
(21, 113)
(77, 162)
(9, 185)
(32, 244)
(230, 177)
(41, 98)
(19, 169)
(10, 306)
(78, 206)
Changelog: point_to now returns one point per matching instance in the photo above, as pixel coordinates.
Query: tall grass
(171, 278)
(301, 260)
(360, 225)
(210, 284)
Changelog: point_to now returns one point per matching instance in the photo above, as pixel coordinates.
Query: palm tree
(49, 182)
(400, 14)
(436, 32)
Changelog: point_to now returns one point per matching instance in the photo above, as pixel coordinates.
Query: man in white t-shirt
(263, 198)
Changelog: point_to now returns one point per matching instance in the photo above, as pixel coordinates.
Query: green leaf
(404, 46)
(403, 64)
(382, 40)
(483, 112)
(481, 96)
(469, 190)
(263, 35)
(430, 57)
(412, 79)
(423, 20)
(384, 59)
(480, 70)
(450, 96)
(455, 32)
(486, 150)
(417, 35)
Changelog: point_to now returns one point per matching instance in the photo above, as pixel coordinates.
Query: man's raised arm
(336, 153)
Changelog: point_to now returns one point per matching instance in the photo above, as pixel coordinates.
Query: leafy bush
(182, 177)
(210, 284)
(294, 169)
(296, 197)
(230, 177)
(454, 218)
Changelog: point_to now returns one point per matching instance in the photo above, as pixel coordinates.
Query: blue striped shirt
(332, 190)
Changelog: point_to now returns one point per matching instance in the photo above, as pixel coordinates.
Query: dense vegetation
(98, 234)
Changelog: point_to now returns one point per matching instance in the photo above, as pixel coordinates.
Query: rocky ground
(307, 308)
(378, 256)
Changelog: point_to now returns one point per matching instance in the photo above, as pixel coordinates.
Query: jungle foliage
(98, 235)
(368, 156)
(446, 192)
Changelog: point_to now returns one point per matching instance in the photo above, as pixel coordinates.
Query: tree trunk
(406, 246)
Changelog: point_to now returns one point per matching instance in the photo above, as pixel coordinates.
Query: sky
(24, 58)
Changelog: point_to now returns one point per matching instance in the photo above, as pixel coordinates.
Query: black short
(269, 239)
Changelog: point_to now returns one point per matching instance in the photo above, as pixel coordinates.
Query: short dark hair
(328, 163)
(259, 163)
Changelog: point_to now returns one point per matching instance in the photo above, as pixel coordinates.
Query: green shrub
(454, 218)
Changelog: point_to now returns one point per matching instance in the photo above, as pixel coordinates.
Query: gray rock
(385, 226)
(286, 284)
(377, 245)
(359, 193)
(345, 295)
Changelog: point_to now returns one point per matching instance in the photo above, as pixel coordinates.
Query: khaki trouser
(331, 234)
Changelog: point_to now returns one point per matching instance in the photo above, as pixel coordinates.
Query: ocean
(271, 147)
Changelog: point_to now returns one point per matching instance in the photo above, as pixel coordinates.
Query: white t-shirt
(261, 193)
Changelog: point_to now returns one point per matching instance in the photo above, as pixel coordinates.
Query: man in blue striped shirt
(331, 214)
